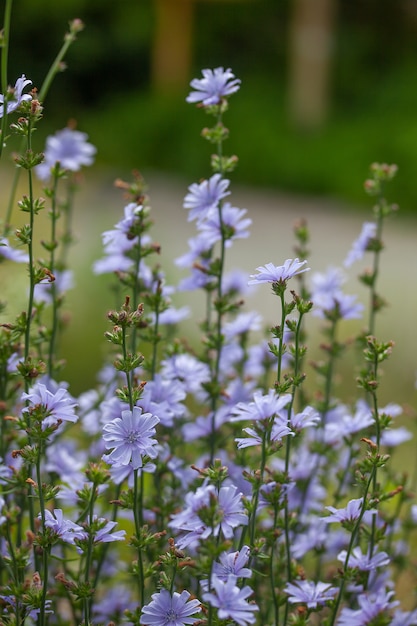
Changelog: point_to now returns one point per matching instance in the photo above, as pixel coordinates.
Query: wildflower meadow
(198, 482)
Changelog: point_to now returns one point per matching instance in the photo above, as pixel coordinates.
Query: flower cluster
(198, 482)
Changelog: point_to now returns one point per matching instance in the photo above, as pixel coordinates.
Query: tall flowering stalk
(278, 277)
(211, 93)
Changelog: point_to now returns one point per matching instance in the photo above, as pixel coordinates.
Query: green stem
(350, 548)
(88, 602)
(45, 553)
(54, 292)
(271, 573)
(287, 459)
(219, 320)
(55, 68)
(128, 374)
(137, 514)
(31, 255)
(4, 67)
(375, 268)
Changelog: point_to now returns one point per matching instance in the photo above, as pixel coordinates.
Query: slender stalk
(350, 548)
(272, 575)
(54, 291)
(45, 553)
(137, 514)
(287, 461)
(4, 67)
(375, 270)
(219, 293)
(31, 253)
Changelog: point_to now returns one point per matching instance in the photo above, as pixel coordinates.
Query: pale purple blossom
(308, 417)
(371, 606)
(243, 323)
(170, 610)
(69, 148)
(364, 562)
(186, 369)
(360, 245)
(105, 532)
(163, 398)
(229, 514)
(338, 305)
(232, 225)
(350, 513)
(112, 606)
(342, 424)
(233, 564)
(256, 435)
(215, 85)
(404, 618)
(58, 406)
(392, 437)
(171, 315)
(310, 593)
(132, 213)
(231, 602)
(15, 95)
(12, 254)
(205, 196)
(271, 273)
(325, 288)
(65, 529)
(65, 459)
(198, 246)
(130, 437)
(264, 406)
(203, 425)
(235, 282)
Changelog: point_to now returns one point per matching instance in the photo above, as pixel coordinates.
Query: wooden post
(311, 40)
(172, 44)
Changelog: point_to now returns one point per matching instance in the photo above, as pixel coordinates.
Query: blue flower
(170, 610)
(231, 602)
(112, 606)
(15, 96)
(130, 436)
(63, 528)
(209, 512)
(371, 606)
(360, 245)
(271, 273)
(263, 407)
(350, 513)
(310, 593)
(364, 562)
(215, 85)
(205, 196)
(231, 564)
(70, 149)
(231, 226)
(56, 407)
(12, 254)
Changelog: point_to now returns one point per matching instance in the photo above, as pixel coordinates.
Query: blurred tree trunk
(171, 49)
(310, 54)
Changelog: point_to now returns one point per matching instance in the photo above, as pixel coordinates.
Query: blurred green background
(328, 86)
